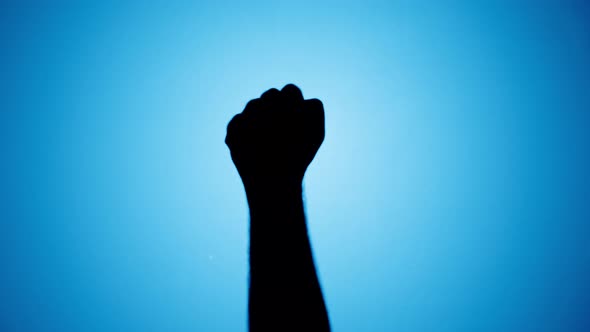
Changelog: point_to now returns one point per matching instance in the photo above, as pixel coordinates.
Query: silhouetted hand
(276, 136)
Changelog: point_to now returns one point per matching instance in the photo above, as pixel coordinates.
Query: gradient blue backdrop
(451, 193)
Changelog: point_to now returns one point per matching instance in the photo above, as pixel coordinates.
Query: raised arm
(271, 143)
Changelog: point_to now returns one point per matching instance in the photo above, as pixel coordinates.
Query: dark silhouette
(271, 143)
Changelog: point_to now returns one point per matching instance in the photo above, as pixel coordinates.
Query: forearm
(279, 242)
(283, 279)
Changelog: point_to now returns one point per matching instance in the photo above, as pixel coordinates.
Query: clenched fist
(276, 136)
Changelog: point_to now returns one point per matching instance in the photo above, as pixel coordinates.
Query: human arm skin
(272, 142)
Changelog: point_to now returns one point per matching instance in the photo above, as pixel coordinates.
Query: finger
(314, 106)
(253, 106)
(271, 95)
(313, 116)
(292, 94)
(234, 127)
(271, 100)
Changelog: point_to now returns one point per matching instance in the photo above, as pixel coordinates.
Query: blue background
(451, 192)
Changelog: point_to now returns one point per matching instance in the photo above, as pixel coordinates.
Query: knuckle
(252, 106)
(237, 118)
(292, 91)
(270, 93)
(290, 86)
(315, 104)
(233, 125)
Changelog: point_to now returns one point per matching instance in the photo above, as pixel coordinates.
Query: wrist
(270, 192)
(272, 185)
